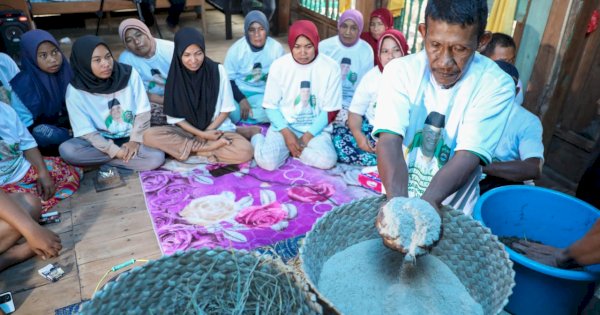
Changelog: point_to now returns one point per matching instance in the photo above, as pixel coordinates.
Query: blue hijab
(42, 93)
(260, 18)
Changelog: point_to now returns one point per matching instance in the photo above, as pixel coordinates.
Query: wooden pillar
(568, 68)
(365, 7)
(543, 69)
(284, 12)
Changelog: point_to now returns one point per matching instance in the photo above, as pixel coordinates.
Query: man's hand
(45, 185)
(364, 144)
(43, 242)
(245, 109)
(292, 143)
(131, 149)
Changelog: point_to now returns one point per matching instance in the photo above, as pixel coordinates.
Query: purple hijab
(356, 17)
(41, 92)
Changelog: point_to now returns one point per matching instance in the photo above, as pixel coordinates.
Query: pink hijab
(138, 25)
(356, 17)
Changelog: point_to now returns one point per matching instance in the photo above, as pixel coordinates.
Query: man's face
(431, 135)
(449, 48)
(344, 68)
(256, 72)
(116, 112)
(504, 54)
(304, 95)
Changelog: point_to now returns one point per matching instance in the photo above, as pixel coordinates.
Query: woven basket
(470, 250)
(167, 285)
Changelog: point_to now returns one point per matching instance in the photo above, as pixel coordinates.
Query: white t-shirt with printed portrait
(474, 113)
(361, 61)
(110, 114)
(225, 103)
(14, 139)
(153, 70)
(299, 106)
(242, 63)
(365, 97)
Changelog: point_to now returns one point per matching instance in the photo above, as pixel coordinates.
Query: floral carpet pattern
(246, 209)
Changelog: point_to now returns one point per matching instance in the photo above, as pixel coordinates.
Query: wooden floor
(100, 230)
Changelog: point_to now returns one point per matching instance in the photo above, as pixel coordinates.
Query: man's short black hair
(463, 12)
(498, 40)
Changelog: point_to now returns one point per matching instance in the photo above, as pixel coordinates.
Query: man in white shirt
(520, 153)
(450, 78)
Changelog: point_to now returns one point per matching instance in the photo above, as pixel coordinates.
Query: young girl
(381, 21)
(151, 58)
(354, 144)
(353, 55)
(247, 63)
(198, 101)
(109, 111)
(303, 87)
(41, 87)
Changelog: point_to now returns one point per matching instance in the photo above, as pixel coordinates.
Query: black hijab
(83, 77)
(191, 95)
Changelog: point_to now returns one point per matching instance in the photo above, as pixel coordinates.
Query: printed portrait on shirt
(118, 122)
(427, 153)
(305, 104)
(4, 94)
(347, 75)
(8, 152)
(157, 83)
(256, 75)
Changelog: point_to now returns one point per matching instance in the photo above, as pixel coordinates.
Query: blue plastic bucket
(552, 218)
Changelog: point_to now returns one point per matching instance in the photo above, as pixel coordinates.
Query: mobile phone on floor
(224, 170)
(6, 303)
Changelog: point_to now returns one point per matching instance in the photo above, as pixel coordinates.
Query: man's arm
(391, 165)
(450, 178)
(516, 171)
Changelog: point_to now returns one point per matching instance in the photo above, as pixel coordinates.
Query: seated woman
(381, 21)
(41, 88)
(354, 144)
(151, 58)
(8, 70)
(22, 168)
(109, 111)
(303, 87)
(198, 100)
(19, 213)
(247, 63)
(352, 54)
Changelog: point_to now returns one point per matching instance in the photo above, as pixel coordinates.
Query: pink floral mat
(244, 210)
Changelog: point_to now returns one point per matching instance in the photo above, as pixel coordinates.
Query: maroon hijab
(388, 20)
(400, 40)
(307, 29)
